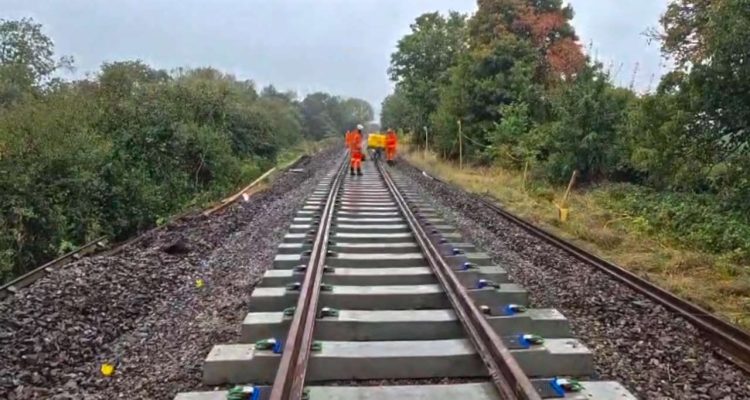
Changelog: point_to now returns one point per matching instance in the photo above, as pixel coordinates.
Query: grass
(715, 281)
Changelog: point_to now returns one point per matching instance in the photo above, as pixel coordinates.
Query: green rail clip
(532, 339)
(328, 312)
(243, 393)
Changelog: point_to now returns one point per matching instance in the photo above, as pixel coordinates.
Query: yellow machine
(376, 144)
(376, 141)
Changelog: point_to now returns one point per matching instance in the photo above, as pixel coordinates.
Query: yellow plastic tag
(107, 369)
(199, 283)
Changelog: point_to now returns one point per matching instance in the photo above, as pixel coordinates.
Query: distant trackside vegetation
(130, 145)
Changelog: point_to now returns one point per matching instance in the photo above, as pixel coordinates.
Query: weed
(737, 287)
(603, 237)
(680, 242)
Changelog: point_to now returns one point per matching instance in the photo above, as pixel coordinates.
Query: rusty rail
(100, 245)
(732, 341)
(290, 377)
(224, 203)
(511, 382)
(28, 278)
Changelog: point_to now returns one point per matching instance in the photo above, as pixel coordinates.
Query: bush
(112, 155)
(693, 220)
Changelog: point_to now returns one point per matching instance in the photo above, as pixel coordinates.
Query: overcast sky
(337, 46)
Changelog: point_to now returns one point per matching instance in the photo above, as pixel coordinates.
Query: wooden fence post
(460, 147)
(563, 208)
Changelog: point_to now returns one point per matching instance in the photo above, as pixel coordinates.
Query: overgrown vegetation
(630, 225)
(526, 94)
(114, 153)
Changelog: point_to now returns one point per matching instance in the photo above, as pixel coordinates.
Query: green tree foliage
(112, 154)
(544, 24)
(398, 111)
(26, 59)
(421, 64)
(686, 27)
(524, 92)
(582, 131)
(318, 110)
(284, 114)
(482, 84)
(709, 126)
(327, 115)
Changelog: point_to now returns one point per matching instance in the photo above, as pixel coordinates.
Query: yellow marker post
(563, 214)
(107, 369)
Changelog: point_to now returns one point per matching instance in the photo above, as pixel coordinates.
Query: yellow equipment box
(376, 141)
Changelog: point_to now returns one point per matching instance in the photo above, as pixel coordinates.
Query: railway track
(731, 341)
(13, 286)
(372, 295)
(103, 245)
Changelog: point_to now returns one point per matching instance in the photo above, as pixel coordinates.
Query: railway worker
(355, 151)
(348, 139)
(391, 141)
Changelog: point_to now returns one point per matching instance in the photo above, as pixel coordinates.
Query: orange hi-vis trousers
(356, 160)
(390, 153)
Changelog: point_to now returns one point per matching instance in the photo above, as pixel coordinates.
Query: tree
(721, 84)
(327, 115)
(653, 128)
(420, 66)
(544, 23)
(481, 84)
(398, 112)
(270, 92)
(26, 58)
(316, 111)
(709, 92)
(119, 79)
(686, 28)
(583, 131)
(115, 153)
(285, 115)
(354, 112)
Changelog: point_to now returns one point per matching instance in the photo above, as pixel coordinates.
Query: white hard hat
(360, 127)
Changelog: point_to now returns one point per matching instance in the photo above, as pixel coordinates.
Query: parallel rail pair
(733, 343)
(507, 376)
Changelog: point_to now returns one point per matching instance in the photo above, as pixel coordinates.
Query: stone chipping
(653, 352)
(142, 309)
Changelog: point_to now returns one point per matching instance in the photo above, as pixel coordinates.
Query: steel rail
(289, 381)
(733, 341)
(507, 376)
(30, 277)
(99, 246)
(226, 202)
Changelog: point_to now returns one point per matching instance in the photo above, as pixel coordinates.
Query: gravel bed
(141, 308)
(655, 353)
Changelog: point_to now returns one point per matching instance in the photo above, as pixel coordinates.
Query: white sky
(338, 46)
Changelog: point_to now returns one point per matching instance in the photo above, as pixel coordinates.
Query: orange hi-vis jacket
(391, 140)
(348, 139)
(355, 144)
